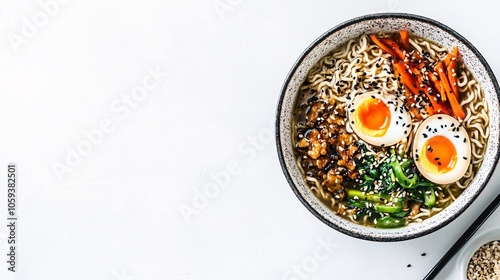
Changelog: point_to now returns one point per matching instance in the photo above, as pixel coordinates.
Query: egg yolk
(439, 154)
(373, 117)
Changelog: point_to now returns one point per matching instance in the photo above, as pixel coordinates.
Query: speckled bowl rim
(405, 233)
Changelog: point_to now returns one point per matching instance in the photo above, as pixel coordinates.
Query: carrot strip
(441, 91)
(416, 55)
(447, 60)
(430, 111)
(452, 76)
(394, 47)
(382, 46)
(436, 83)
(406, 78)
(443, 78)
(405, 39)
(458, 112)
(456, 54)
(418, 86)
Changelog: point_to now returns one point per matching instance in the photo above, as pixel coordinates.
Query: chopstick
(463, 239)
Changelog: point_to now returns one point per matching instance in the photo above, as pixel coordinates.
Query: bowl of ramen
(387, 126)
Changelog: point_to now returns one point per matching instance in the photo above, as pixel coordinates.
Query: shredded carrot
(416, 55)
(452, 76)
(430, 111)
(447, 60)
(457, 110)
(440, 87)
(456, 54)
(382, 45)
(418, 86)
(442, 76)
(395, 47)
(436, 83)
(405, 39)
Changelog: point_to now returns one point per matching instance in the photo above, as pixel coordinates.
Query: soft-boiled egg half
(441, 149)
(379, 119)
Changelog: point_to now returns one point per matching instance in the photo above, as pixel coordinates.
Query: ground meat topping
(328, 151)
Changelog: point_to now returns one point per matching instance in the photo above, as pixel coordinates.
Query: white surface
(116, 215)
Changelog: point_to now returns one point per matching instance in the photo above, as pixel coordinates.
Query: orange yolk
(439, 153)
(374, 116)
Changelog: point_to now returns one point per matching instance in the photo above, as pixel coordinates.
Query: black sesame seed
(440, 118)
(409, 265)
(425, 135)
(423, 254)
(465, 158)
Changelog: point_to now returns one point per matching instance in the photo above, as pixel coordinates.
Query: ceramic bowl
(335, 37)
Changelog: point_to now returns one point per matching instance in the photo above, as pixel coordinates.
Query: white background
(115, 213)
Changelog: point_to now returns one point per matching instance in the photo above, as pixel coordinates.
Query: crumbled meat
(317, 146)
(314, 112)
(352, 150)
(321, 162)
(333, 184)
(329, 151)
(303, 143)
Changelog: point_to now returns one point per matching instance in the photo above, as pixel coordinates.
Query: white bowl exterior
(388, 23)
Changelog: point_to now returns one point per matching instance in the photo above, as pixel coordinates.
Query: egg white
(450, 128)
(400, 122)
